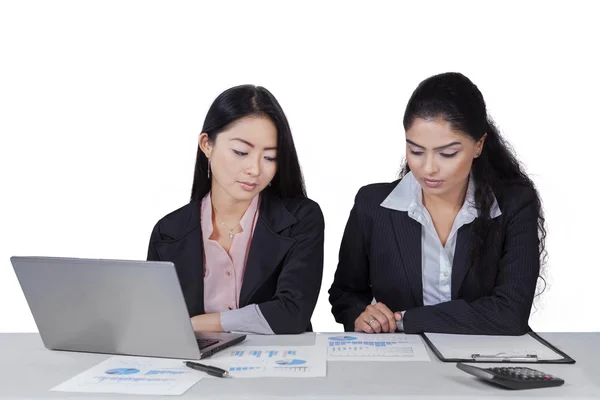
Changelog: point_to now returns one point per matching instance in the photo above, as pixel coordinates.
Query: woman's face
(243, 158)
(440, 157)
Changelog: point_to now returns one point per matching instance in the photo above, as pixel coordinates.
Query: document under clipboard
(528, 348)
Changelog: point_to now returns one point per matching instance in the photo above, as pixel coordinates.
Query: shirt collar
(408, 196)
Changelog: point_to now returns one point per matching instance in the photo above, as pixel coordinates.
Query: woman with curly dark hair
(456, 244)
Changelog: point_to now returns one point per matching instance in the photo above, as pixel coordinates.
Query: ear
(479, 145)
(205, 144)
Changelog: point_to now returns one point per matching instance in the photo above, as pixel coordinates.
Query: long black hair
(244, 101)
(455, 99)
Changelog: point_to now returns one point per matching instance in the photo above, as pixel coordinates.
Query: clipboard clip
(503, 357)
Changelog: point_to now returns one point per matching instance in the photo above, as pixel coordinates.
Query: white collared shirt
(436, 259)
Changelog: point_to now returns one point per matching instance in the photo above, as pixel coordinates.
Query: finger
(366, 322)
(360, 325)
(388, 314)
(374, 324)
(366, 328)
(398, 316)
(379, 317)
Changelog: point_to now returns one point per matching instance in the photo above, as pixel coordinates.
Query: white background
(101, 104)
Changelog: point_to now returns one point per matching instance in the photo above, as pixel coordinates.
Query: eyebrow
(251, 145)
(437, 148)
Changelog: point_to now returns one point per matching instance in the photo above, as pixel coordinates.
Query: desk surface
(28, 370)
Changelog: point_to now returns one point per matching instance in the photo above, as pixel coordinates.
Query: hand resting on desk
(377, 318)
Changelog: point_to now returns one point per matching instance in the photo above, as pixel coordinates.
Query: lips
(433, 183)
(249, 186)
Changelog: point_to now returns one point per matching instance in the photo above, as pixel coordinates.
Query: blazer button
(228, 273)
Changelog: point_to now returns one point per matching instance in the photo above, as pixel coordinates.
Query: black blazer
(284, 266)
(380, 257)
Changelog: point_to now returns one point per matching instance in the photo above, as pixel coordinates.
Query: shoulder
(179, 223)
(515, 199)
(374, 194)
(291, 216)
(290, 211)
(302, 207)
(519, 203)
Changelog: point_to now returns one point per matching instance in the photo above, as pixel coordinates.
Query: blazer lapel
(185, 250)
(268, 247)
(196, 268)
(408, 240)
(460, 264)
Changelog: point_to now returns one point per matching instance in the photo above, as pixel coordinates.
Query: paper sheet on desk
(272, 361)
(464, 346)
(134, 375)
(373, 347)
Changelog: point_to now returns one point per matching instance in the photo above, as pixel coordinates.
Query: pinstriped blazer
(380, 256)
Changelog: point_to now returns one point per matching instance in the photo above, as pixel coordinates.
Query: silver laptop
(113, 306)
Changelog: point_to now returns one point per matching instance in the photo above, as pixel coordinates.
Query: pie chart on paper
(122, 371)
(290, 363)
(342, 338)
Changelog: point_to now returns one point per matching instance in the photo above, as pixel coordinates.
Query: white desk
(28, 370)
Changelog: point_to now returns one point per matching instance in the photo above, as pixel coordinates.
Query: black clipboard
(478, 358)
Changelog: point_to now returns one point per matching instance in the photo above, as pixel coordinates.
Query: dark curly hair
(454, 98)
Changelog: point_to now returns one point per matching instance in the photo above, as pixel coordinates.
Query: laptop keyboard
(204, 343)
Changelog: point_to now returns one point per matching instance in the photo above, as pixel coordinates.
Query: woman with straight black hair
(456, 244)
(248, 248)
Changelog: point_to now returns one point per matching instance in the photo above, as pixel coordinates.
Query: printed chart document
(273, 361)
(134, 375)
(373, 347)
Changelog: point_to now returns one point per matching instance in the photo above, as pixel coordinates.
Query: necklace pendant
(231, 235)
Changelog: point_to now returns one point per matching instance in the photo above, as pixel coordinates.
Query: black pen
(214, 371)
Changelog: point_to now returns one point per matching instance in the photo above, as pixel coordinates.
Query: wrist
(400, 322)
(207, 323)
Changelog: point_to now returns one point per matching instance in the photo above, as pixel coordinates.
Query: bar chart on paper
(369, 347)
(256, 361)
